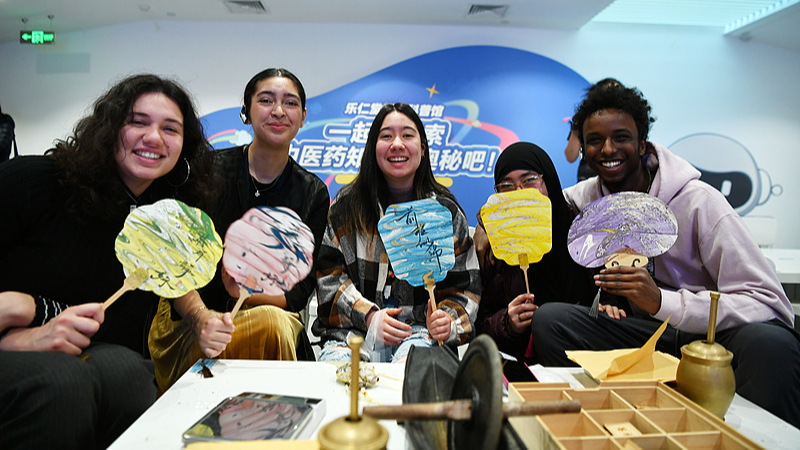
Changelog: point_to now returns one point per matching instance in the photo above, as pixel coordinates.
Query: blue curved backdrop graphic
(474, 102)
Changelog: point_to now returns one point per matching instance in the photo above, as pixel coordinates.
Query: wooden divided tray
(622, 415)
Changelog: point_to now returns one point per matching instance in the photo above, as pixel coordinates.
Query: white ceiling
(781, 29)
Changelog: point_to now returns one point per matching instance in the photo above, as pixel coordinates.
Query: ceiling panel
(782, 29)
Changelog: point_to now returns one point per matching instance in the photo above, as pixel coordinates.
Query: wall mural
(474, 101)
(735, 171)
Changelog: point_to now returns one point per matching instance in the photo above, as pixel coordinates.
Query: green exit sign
(37, 37)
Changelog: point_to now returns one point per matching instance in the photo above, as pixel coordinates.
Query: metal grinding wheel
(479, 378)
(473, 417)
(429, 376)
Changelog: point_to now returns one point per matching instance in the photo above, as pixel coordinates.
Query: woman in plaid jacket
(358, 293)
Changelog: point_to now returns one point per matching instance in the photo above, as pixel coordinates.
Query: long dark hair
(361, 203)
(90, 169)
(250, 88)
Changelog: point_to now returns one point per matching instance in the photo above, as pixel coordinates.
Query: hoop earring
(580, 153)
(188, 172)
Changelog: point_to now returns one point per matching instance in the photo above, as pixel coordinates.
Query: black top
(48, 252)
(555, 278)
(296, 188)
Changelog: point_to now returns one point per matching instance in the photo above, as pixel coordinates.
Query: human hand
(214, 331)
(520, 313)
(573, 149)
(69, 332)
(438, 323)
(17, 309)
(390, 330)
(634, 283)
(612, 311)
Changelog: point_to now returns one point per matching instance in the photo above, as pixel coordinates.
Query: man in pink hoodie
(713, 252)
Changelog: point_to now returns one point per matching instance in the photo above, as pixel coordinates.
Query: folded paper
(628, 364)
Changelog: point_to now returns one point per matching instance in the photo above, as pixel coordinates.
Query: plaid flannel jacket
(353, 269)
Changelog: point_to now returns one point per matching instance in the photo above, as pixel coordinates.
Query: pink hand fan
(267, 251)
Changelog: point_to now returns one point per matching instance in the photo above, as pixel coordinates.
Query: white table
(162, 426)
(787, 263)
(192, 396)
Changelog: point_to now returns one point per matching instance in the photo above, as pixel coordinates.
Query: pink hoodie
(714, 251)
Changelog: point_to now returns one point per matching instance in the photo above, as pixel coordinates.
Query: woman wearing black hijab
(506, 309)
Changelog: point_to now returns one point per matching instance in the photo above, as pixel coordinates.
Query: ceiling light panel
(706, 13)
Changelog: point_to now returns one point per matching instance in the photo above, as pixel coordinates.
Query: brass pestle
(353, 432)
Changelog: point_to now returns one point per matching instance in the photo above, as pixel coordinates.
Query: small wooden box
(622, 415)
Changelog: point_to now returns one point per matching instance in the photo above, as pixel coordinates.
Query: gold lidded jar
(705, 375)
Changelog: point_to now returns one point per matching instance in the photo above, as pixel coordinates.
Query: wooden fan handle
(243, 294)
(125, 288)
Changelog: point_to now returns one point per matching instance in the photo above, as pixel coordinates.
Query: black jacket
(295, 188)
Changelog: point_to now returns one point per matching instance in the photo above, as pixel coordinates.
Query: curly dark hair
(605, 83)
(90, 169)
(627, 100)
(361, 200)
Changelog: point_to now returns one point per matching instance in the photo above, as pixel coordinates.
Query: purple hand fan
(623, 223)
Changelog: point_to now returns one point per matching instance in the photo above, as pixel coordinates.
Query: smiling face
(150, 142)
(613, 150)
(276, 113)
(522, 179)
(398, 150)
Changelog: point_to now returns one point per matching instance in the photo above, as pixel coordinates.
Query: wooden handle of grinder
(462, 410)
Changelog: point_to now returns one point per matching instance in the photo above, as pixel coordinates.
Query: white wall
(696, 80)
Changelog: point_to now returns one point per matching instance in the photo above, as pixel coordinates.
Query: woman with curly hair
(73, 374)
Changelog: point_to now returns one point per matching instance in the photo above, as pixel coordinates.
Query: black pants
(53, 400)
(766, 356)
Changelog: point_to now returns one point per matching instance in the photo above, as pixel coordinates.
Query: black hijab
(556, 277)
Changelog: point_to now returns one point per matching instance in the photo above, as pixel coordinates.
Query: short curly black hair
(627, 100)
